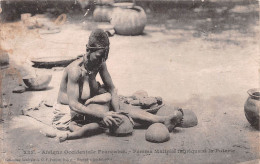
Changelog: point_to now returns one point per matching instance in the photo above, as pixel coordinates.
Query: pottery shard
(19, 89)
(159, 100)
(148, 102)
(135, 102)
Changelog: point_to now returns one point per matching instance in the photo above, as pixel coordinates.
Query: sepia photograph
(129, 81)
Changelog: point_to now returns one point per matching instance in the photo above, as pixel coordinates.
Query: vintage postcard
(129, 81)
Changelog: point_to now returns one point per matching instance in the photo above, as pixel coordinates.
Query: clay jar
(252, 108)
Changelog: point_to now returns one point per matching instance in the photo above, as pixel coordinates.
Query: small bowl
(39, 82)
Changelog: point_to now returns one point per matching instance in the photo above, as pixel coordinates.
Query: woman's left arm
(107, 80)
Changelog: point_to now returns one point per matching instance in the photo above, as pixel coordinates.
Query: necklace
(84, 70)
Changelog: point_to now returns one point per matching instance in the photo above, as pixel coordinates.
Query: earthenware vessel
(252, 107)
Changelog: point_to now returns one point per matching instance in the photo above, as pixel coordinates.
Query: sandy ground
(192, 63)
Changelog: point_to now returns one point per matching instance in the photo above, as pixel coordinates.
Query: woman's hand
(89, 101)
(112, 118)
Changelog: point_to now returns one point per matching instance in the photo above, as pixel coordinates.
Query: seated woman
(91, 111)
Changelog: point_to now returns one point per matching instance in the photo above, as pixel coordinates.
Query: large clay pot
(102, 13)
(129, 21)
(252, 108)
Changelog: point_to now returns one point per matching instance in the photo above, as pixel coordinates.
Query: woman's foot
(63, 136)
(175, 119)
(49, 132)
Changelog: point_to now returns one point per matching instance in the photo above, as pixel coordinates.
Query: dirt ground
(204, 59)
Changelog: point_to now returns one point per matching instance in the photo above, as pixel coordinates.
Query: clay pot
(38, 82)
(4, 58)
(124, 129)
(102, 13)
(157, 133)
(252, 108)
(189, 119)
(129, 21)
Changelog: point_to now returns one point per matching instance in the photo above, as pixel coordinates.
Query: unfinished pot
(126, 128)
(252, 107)
(157, 133)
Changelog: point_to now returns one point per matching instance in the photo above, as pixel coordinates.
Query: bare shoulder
(75, 63)
(73, 71)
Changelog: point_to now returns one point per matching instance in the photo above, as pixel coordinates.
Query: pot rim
(252, 91)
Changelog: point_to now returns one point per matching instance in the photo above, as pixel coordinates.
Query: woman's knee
(107, 97)
(100, 108)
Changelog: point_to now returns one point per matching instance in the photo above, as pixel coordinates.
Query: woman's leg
(145, 118)
(79, 132)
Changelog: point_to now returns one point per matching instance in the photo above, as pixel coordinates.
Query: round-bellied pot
(129, 21)
(252, 107)
(102, 13)
(157, 133)
(126, 128)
